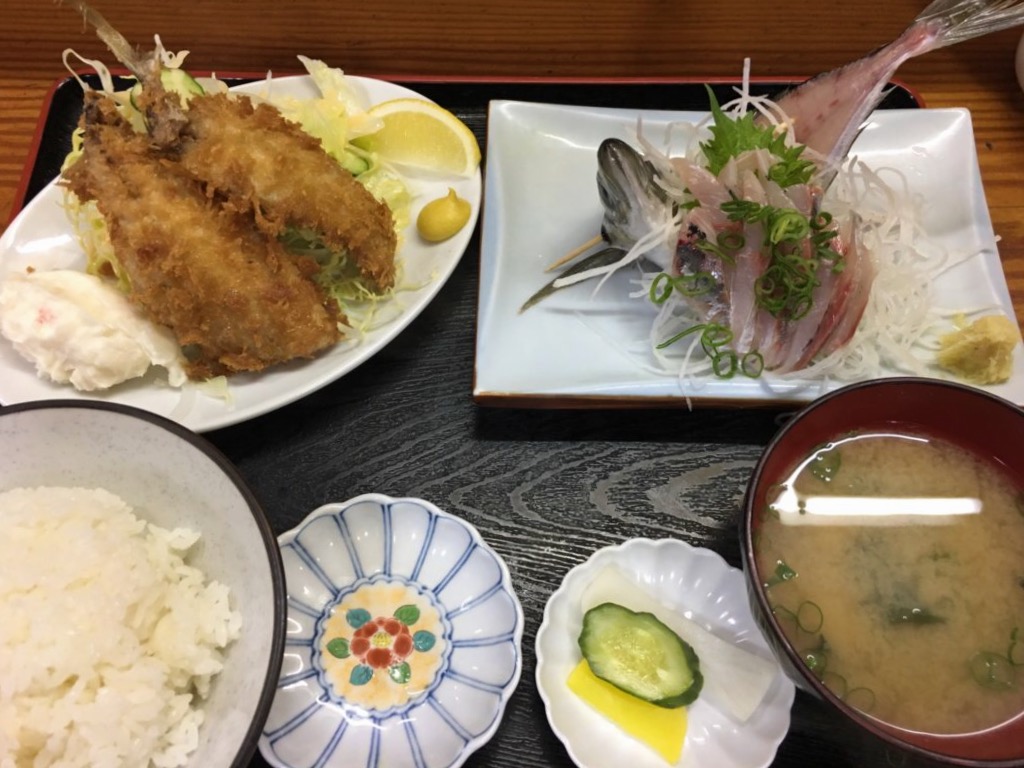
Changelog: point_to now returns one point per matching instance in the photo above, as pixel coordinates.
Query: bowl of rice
(141, 591)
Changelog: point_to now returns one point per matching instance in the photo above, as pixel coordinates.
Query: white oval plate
(704, 588)
(42, 237)
(374, 556)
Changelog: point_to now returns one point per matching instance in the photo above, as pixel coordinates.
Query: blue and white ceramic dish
(404, 639)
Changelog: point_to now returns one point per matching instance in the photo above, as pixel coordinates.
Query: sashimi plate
(42, 237)
(404, 639)
(701, 586)
(584, 348)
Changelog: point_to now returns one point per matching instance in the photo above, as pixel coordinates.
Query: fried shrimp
(235, 299)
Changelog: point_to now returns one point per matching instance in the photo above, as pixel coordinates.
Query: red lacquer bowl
(971, 418)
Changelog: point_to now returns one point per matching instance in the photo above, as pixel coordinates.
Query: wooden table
(546, 488)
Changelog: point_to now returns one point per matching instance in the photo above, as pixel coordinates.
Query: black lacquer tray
(545, 488)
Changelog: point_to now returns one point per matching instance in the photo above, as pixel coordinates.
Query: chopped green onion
(782, 573)
(715, 336)
(725, 362)
(788, 224)
(835, 683)
(661, 297)
(861, 698)
(1015, 653)
(681, 335)
(785, 289)
(732, 241)
(990, 670)
(695, 284)
(825, 464)
(725, 365)
(809, 617)
(816, 661)
(752, 364)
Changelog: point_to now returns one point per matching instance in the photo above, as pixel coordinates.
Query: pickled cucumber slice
(638, 654)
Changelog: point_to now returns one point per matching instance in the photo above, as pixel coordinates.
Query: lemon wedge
(421, 134)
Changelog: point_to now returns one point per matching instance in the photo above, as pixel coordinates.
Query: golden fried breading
(256, 159)
(234, 298)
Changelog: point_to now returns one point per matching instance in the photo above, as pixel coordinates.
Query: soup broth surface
(896, 568)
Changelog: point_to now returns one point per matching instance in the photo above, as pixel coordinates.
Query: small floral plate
(403, 643)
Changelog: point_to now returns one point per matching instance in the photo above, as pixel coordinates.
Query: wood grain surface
(546, 488)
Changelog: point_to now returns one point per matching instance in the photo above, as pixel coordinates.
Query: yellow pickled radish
(442, 218)
(661, 729)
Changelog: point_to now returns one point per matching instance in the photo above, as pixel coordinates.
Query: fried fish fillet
(249, 154)
(234, 298)
(253, 158)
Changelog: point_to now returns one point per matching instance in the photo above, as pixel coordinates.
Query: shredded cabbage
(336, 117)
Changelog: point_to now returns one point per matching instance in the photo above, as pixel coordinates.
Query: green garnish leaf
(732, 135)
(902, 614)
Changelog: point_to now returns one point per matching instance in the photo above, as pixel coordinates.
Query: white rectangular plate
(580, 349)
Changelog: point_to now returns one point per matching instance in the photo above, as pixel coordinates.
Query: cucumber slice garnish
(638, 654)
(175, 80)
(180, 82)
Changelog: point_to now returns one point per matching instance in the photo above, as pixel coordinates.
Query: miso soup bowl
(973, 419)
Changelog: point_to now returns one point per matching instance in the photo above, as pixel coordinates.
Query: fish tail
(138, 65)
(960, 20)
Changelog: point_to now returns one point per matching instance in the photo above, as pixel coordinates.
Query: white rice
(108, 639)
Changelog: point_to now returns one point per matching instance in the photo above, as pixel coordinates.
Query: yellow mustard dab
(442, 218)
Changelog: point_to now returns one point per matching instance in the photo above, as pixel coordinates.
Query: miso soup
(895, 565)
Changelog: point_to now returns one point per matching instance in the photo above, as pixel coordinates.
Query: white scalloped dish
(702, 587)
(403, 643)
